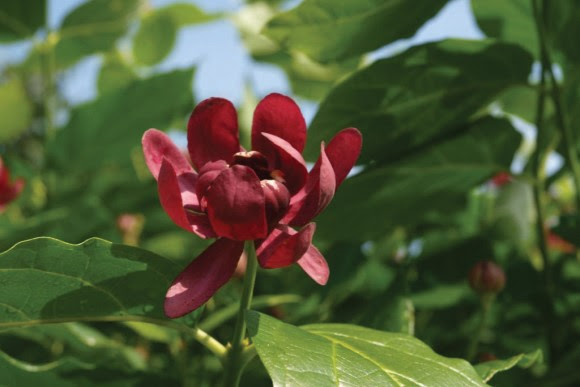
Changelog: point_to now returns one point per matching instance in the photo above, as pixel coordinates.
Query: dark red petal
(212, 132)
(203, 277)
(343, 151)
(158, 146)
(284, 246)
(284, 157)
(315, 196)
(278, 115)
(236, 205)
(314, 264)
(175, 195)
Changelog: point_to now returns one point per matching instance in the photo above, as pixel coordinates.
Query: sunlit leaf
(339, 354)
(328, 31)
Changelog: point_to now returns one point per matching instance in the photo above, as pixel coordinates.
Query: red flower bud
(486, 277)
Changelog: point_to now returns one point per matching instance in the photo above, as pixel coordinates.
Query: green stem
(571, 154)
(486, 301)
(539, 186)
(236, 363)
(219, 317)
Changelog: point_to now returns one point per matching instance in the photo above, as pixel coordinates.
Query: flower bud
(486, 277)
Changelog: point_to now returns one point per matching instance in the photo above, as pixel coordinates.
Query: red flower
(8, 190)
(237, 195)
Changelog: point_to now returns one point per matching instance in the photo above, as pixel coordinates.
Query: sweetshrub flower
(9, 190)
(236, 195)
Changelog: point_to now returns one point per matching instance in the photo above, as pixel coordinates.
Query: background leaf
(489, 368)
(443, 172)
(326, 32)
(405, 102)
(20, 19)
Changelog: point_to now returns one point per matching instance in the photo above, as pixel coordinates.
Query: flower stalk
(235, 364)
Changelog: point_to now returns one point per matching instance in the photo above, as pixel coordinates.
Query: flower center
(259, 164)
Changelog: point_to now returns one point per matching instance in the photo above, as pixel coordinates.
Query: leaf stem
(235, 362)
(486, 302)
(567, 134)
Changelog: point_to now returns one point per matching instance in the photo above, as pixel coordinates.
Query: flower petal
(314, 264)
(278, 115)
(178, 193)
(158, 146)
(199, 281)
(236, 204)
(343, 151)
(316, 194)
(284, 157)
(212, 132)
(284, 246)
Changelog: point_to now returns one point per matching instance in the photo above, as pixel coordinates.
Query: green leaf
(109, 128)
(404, 102)
(184, 14)
(20, 19)
(524, 360)
(156, 35)
(47, 281)
(511, 21)
(114, 74)
(154, 39)
(443, 172)
(93, 27)
(327, 31)
(15, 110)
(340, 354)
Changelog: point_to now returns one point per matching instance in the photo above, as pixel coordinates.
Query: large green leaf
(47, 281)
(404, 102)
(326, 30)
(108, 129)
(511, 21)
(15, 110)
(94, 26)
(524, 360)
(20, 19)
(339, 354)
(433, 179)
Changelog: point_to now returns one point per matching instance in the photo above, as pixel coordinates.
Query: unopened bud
(486, 277)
